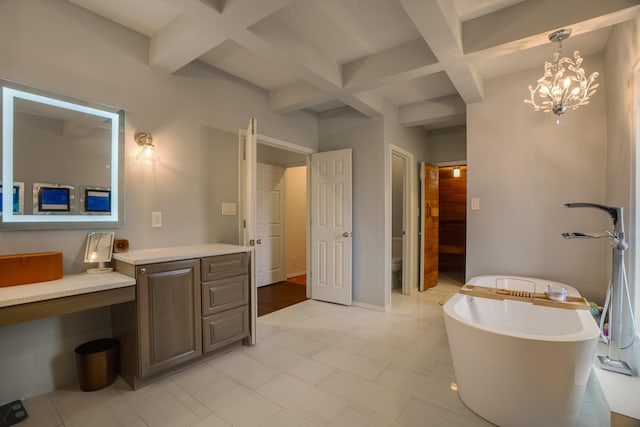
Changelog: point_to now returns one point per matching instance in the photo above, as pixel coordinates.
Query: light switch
(156, 219)
(475, 204)
(229, 208)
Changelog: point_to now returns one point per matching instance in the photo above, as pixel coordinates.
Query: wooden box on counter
(20, 269)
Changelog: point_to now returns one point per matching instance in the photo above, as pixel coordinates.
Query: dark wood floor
(279, 295)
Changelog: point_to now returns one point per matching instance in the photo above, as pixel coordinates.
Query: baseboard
(301, 273)
(368, 306)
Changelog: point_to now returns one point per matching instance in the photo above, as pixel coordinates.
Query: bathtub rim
(588, 331)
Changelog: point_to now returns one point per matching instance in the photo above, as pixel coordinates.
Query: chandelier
(564, 84)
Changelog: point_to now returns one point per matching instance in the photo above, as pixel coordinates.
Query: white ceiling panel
(349, 29)
(144, 16)
(233, 58)
(326, 106)
(421, 89)
(469, 9)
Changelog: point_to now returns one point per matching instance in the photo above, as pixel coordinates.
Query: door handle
(345, 234)
(259, 241)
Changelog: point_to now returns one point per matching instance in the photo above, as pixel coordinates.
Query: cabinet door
(223, 294)
(225, 328)
(169, 311)
(221, 266)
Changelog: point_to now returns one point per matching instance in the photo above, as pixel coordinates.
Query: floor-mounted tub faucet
(617, 236)
(613, 361)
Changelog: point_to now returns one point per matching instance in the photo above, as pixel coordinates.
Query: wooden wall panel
(453, 219)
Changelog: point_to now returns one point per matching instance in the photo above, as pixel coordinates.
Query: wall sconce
(456, 172)
(148, 152)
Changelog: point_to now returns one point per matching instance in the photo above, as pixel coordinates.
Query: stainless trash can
(97, 363)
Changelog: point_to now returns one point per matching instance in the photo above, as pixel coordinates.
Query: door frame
(410, 244)
(289, 146)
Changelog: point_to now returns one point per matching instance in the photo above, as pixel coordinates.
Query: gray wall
(397, 179)
(447, 144)
(62, 48)
(523, 167)
(349, 129)
(621, 56)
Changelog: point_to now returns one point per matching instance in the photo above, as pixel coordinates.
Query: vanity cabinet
(168, 314)
(184, 310)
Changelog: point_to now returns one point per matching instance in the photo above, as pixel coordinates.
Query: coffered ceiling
(425, 58)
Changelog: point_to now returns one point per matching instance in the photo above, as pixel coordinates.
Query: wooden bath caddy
(573, 303)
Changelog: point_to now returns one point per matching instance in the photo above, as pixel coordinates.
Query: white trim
(309, 226)
(299, 273)
(280, 143)
(368, 306)
(452, 163)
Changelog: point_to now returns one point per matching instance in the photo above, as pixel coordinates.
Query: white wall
(523, 168)
(447, 144)
(349, 129)
(62, 48)
(295, 215)
(621, 57)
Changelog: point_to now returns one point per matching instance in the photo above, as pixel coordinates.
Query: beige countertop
(175, 253)
(69, 285)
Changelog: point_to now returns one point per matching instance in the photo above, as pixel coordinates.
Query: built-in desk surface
(72, 293)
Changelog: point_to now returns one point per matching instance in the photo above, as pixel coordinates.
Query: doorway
(402, 235)
(281, 235)
(329, 234)
(452, 228)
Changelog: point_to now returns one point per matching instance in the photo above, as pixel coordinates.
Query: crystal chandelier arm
(564, 84)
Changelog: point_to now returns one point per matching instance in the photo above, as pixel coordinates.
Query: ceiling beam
(274, 39)
(468, 81)
(407, 61)
(369, 104)
(432, 111)
(201, 27)
(508, 30)
(439, 24)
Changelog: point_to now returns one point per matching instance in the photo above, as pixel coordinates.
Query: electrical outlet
(156, 219)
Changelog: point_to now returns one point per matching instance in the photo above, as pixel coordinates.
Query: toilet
(396, 271)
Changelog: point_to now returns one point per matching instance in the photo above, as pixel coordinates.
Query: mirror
(99, 249)
(62, 161)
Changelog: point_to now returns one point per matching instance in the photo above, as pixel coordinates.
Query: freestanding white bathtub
(519, 364)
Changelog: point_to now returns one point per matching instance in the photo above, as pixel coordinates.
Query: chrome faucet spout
(587, 235)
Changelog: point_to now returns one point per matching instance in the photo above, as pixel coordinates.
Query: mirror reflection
(61, 161)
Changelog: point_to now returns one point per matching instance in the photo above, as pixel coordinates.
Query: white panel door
(269, 224)
(248, 148)
(331, 226)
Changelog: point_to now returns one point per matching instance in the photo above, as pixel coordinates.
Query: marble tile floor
(315, 364)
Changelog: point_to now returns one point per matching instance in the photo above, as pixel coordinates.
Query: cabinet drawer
(225, 328)
(221, 266)
(224, 294)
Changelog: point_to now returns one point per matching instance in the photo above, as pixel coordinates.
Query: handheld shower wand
(613, 361)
